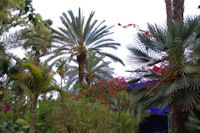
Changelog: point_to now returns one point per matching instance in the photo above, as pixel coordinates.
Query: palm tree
(78, 37)
(35, 81)
(61, 69)
(95, 69)
(177, 88)
(38, 39)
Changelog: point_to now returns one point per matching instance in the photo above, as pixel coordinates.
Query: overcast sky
(138, 12)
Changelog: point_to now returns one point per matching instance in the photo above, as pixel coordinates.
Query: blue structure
(156, 110)
(155, 124)
(140, 84)
(158, 122)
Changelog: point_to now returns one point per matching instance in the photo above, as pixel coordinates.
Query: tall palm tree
(78, 36)
(177, 88)
(35, 81)
(95, 69)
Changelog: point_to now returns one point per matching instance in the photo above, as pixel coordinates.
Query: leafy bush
(72, 116)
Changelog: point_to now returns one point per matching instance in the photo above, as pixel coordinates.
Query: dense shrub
(80, 116)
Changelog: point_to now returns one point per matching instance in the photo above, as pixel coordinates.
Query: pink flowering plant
(104, 91)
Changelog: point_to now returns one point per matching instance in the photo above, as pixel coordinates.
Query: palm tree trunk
(179, 119)
(61, 82)
(81, 72)
(169, 11)
(178, 9)
(175, 11)
(87, 77)
(1, 90)
(33, 115)
(37, 59)
(81, 60)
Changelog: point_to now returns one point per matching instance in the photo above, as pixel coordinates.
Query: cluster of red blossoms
(157, 71)
(137, 27)
(104, 91)
(126, 101)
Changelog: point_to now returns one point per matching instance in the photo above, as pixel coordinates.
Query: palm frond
(112, 57)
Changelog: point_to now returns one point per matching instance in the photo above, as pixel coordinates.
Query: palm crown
(178, 87)
(174, 46)
(78, 37)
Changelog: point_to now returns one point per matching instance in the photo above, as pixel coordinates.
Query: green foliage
(193, 123)
(35, 79)
(44, 113)
(80, 117)
(127, 123)
(128, 114)
(13, 13)
(6, 5)
(37, 36)
(6, 117)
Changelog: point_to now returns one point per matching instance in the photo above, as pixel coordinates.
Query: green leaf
(22, 122)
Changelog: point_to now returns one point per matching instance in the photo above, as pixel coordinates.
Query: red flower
(119, 24)
(126, 101)
(147, 34)
(102, 85)
(183, 110)
(113, 95)
(126, 89)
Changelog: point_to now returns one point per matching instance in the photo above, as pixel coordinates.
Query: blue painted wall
(155, 124)
(158, 120)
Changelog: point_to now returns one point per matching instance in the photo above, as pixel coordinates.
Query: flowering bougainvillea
(104, 91)
(152, 76)
(136, 27)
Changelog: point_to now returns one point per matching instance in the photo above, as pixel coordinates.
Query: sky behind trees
(139, 12)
